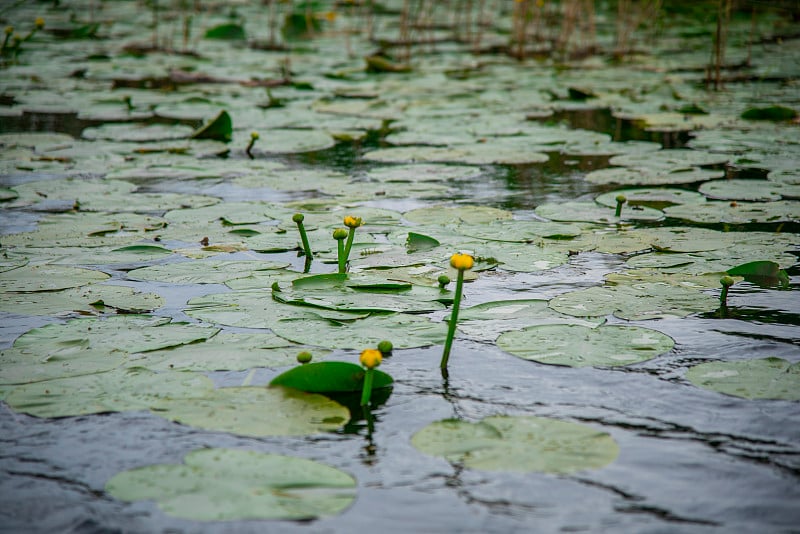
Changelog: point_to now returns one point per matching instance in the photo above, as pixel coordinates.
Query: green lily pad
(229, 32)
(113, 391)
(749, 190)
(257, 309)
(229, 484)
(202, 272)
(670, 158)
(486, 321)
(632, 176)
(220, 128)
(423, 172)
(637, 302)
(652, 197)
(19, 367)
(92, 299)
(717, 212)
(448, 215)
(581, 346)
(33, 278)
(125, 333)
(770, 113)
(329, 377)
(409, 331)
(520, 231)
(287, 141)
(761, 272)
(521, 443)
(224, 352)
(766, 378)
(256, 411)
(135, 132)
(575, 211)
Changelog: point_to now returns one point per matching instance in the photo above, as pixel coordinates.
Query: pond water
(690, 459)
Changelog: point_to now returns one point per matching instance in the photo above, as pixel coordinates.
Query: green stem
(620, 201)
(723, 296)
(249, 148)
(350, 237)
(304, 237)
(366, 393)
(451, 327)
(342, 258)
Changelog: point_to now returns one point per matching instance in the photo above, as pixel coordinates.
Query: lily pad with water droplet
(520, 443)
(112, 391)
(229, 484)
(33, 278)
(581, 346)
(256, 411)
(766, 378)
(636, 302)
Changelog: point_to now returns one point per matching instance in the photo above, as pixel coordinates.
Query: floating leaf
(224, 352)
(33, 278)
(766, 378)
(630, 176)
(637, 302)
(762, 273)
(575, 211)
(256, 411)
(522, 443)
(486, 321)
(770, 113)
(446, 215)
(228, 484)
(409, 331)
(220, 128)
(113, 391)
(329, 377)
(581, 346)
(652, 197)
(715, 212)
(91, 299)
(750, 190)
(202, 272)
(228, 32)
(19, 367)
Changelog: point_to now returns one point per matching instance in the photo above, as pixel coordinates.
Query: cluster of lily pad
(112, 354)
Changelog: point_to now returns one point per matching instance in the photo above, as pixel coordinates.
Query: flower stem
(342, 257)
(451, 327)
(620, 201)
(366, 393)
(298, 218)
(350, 237)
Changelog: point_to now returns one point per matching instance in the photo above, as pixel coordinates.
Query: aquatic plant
(621, 199)
(298, 220)
(385, 347)
(370, 359)
(253, 138)
(340, 234)
(726, 282)
(352, 223)
(460, 262)
(304, 357)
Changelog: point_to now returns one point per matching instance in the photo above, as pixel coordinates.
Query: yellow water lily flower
(371, 358)
(462, 262)
(352, 222)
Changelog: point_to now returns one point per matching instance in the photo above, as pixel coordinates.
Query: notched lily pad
(581, 346)
(521, 443)
(766, 378)
(229, 484)
(329, 377)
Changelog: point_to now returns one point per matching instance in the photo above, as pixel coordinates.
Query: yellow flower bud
(352, 222)
(462, 262)
(340, 234)
(254, 136)
(39, 23)
(371, 358)
(9, 30)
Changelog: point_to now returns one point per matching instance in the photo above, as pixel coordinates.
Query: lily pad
(92, 299)
(575, 211)
(717, 212)
(630, 176)
(203, 272)
(670, 158)
(33, 278)
(652, 197)
(448, 215)
(406, 331)
(520, 231)
(329, 377)
(636, 302)
(220, 128)
(289, 141)
(423, 172)
(224, 352)
(229, 484)
(581, 346)
(113, 391)
(19, 367)
(749, 190)
(126, 333)
(766, 378)
(521, 443)
(137, 132)
(486, 321)
(256, 411)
